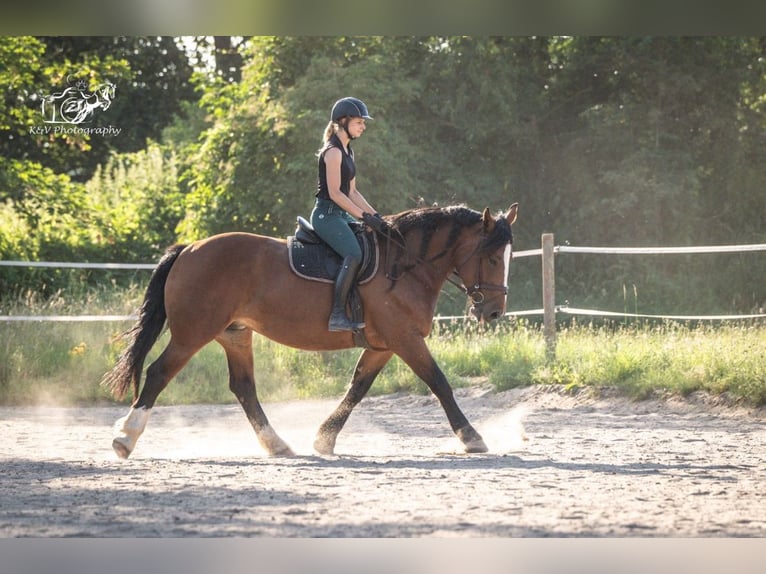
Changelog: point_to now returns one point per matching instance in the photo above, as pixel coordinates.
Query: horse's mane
(429, 219)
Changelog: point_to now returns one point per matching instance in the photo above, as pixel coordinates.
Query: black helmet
(352, 107)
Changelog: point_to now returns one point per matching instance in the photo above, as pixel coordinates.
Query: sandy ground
(605, 467)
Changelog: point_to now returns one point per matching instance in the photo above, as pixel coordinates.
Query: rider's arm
(332, 159)
(358, 199)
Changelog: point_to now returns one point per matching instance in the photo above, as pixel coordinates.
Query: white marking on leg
(130, 427)
(272, 443)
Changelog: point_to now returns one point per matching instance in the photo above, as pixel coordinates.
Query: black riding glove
(376, 222)
(382, 227)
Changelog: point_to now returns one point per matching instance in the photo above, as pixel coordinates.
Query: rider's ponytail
(328, 133)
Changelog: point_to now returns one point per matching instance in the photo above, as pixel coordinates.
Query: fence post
(549, 296)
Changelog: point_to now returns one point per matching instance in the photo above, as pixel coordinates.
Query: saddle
(311, 258)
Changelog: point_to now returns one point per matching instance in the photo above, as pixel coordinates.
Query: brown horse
(225, 287)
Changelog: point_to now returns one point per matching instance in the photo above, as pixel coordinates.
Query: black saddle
(311, 258)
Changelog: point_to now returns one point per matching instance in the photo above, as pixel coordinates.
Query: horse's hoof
(324, 446)
(120, 448)
(272, 444)
(282, 451)
(476, 447)
(471, 440)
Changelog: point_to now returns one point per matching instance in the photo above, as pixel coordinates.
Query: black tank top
(347, 169)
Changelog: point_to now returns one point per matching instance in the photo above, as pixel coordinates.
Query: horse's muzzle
(486, 313)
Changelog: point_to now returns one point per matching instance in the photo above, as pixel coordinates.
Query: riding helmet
(351, 107)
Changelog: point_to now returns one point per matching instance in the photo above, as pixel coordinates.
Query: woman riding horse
(339, 202)
(226, 287)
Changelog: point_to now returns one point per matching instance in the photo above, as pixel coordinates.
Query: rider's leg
(339, 319)
(332, 225)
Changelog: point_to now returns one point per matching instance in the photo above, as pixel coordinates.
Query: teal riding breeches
(332, 224)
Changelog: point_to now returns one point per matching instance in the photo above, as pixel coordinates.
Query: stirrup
(340, 322)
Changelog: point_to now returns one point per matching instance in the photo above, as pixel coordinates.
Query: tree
(152, 77)
(645, 136)
(20, 73)
(46, 212)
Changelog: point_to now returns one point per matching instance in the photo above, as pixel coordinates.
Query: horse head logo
(76, 104)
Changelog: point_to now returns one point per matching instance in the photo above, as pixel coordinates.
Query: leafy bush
(137, 204)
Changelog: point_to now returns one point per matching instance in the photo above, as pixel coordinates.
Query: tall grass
(63, 362)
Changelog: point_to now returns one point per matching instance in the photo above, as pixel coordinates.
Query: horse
(227, 286)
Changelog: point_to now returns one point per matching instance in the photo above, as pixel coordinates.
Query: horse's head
(484, 262)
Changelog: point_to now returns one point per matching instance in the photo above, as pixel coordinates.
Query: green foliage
(19, 73)
(152, 77)
(642, 162)
(36, 67)
(137, 203)
(41, 214)
(127, 212)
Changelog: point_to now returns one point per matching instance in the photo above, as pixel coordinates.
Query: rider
(339, 203)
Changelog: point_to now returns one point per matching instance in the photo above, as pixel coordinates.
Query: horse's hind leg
(239, 353)
(158, 375)
(368, 366)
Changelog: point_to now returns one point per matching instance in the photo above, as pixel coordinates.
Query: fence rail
(662, 250)
(69, 265)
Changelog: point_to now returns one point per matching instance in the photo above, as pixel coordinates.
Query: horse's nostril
(494, 316)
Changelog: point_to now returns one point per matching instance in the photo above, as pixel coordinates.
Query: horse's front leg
(420, 360)
(368, 366)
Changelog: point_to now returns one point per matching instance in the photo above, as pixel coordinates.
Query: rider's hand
(376, 222)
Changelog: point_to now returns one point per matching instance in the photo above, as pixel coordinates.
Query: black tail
(142, 336)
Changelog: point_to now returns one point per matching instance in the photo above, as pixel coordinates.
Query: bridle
(476, 291)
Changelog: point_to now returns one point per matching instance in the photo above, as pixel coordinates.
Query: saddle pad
(318, 261)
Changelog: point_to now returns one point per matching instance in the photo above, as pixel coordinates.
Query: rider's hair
(328, 132)
(331, 128)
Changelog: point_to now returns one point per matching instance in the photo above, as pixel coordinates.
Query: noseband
(476, 290)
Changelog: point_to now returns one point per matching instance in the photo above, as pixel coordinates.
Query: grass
(47, 362)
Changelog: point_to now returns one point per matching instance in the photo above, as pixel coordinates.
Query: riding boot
(339, 320)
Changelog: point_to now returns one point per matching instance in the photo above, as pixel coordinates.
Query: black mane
(429, 219)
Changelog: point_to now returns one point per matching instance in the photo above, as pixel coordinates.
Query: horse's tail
(142, 336)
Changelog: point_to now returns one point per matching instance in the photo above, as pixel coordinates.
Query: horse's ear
(489, 222)
(513, 211)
